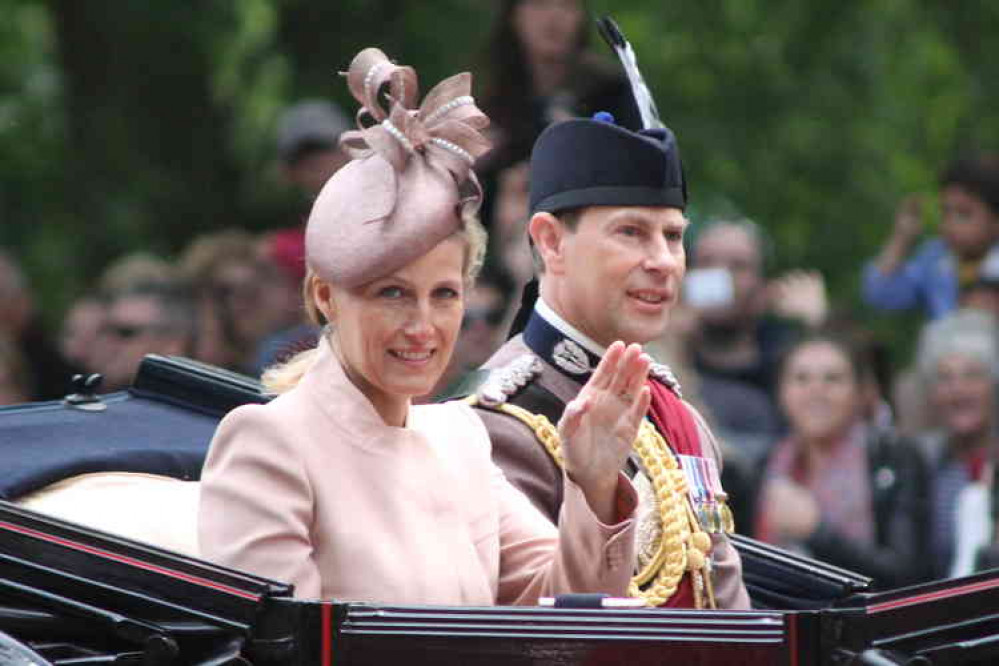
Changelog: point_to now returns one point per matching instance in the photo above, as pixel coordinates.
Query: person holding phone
(928, 276)
(741, 321)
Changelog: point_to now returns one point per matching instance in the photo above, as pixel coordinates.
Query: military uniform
(684, 557)
(538, 378)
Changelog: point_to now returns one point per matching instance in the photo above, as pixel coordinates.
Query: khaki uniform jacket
(528, 466)
(316, 490)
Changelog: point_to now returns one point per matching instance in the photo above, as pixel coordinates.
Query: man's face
(968, 224)
(734, 249)
(618, 274)
(133, 327)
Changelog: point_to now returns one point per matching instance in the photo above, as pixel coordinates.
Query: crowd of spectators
(804, 401)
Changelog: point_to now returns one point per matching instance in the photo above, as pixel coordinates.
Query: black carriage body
(74, 595)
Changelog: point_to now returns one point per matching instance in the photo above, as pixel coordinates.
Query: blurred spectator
(285, 343)
(733, 334)
(508, 240)
(308, 149)
(485, 310)
(738, 324)
(48, 372)
(135, 269)
(307, 136)
(146, 319)
(241, 298)
(81, 327)
(910, 394)
(539, 69)
(15, 299)
(836, 488)
(931, 278)
(742, 447)
(15, 380)
(959, 362)
(877, 377)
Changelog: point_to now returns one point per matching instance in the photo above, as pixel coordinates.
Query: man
(148, 319)
(742, 339)
(607, 224)
(307, 137)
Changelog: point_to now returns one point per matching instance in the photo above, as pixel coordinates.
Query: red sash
(672, 419)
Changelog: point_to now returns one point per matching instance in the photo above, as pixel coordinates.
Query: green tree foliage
(137, 125)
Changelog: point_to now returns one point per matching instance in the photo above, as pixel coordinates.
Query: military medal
(705, 492)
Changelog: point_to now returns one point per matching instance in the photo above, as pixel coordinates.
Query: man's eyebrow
(631, 216)
(647, 220)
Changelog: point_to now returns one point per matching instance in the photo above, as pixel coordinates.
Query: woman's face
(819, 392)
(395, 334)
(963, 395)
(548, 29)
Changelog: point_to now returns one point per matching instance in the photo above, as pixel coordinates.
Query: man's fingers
(637, 372)
(607, 368)
(627, 366)
(640, 407)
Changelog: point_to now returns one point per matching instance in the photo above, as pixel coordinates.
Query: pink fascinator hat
(410, 177)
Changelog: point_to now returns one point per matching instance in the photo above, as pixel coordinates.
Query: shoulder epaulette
(506, 380)
(665, 375)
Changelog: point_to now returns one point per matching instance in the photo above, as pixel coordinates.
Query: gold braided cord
(682, 545)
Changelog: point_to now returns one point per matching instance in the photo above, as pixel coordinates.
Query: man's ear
(547, 233)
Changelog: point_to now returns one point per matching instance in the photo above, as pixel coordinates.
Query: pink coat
(316, 490)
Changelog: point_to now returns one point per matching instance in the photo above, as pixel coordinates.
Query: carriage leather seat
(158, 510)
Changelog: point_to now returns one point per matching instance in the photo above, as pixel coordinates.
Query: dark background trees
(128, 125)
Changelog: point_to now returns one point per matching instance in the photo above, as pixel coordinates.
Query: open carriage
(71, 594)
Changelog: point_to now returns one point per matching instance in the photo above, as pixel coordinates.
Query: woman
(341, 485)
(959, 364)
(541, 70)
(837, 488)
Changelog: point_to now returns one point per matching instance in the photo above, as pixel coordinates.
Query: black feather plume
(640, 91)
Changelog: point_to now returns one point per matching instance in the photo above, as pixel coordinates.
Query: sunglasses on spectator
(128, 331)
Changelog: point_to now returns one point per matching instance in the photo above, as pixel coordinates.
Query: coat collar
(344, 407)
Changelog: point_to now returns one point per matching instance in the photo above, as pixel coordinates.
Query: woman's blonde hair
(285, 376)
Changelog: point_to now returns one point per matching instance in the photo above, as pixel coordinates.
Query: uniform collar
(560, 344)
